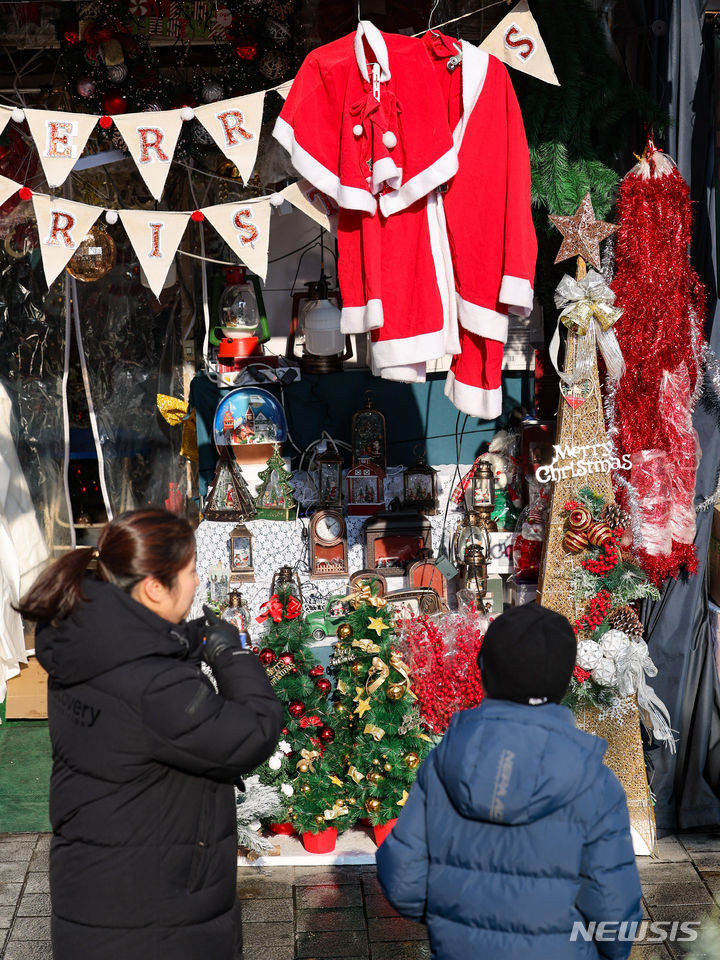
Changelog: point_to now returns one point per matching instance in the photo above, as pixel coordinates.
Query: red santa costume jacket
(406, 272)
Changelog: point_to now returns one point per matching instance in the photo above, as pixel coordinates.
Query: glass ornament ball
(319, 819)
(372, 805)
(339, 708)
(86, 87)
(287, 658)
(327, 734)
(114, 102)
(266, 656)
(387, 767)
(303, 767)
(356, 669)
(118, 72)
(344, 631)
(323, 685)
(94, 257)
(211, 92)
(411, 760)
(296, 708)
(316, 671)
(305, 788)
(395, 691)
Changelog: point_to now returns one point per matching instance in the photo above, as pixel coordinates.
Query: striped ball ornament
(575, 541)
(599, 533)
(580, 519)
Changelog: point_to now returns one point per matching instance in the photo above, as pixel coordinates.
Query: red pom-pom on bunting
(25, 193)
(198, 216)
(105, 122)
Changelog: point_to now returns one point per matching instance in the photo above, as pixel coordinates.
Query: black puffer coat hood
(145, 754)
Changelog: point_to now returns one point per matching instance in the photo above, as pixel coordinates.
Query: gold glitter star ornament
(582, 234)
(378, 625)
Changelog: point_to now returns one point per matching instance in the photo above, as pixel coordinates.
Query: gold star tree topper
(582, 234)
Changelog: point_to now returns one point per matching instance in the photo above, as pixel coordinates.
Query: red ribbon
(311, 721)
(293, 608)
(275, 609)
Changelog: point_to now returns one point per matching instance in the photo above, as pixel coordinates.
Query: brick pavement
(323, 912)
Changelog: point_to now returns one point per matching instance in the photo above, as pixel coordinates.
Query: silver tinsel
(258, 802)
(711, 385)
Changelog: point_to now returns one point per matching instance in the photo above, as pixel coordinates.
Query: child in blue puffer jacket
(515, 836)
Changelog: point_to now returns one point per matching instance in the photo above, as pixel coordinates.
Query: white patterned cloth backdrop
(276, 543)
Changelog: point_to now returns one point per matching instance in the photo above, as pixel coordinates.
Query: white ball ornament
(286, 789)
(589, 654)
(614, 644)
(111, 216)
(187, 113)
(605, 672)
(358, 130)
(275, 761)
(389, 139)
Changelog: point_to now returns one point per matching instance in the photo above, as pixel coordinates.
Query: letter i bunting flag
(155, 236)
(62, 225)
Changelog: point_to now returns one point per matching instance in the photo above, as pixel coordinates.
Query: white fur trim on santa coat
(483, 404)
(385, 172)
(404, 373)
(474, 70)
(375, 41)
(407, 351)
(481, 320)
(351, 198)
(442, 258)
(362, 319)
(517, 294)
(420, 185)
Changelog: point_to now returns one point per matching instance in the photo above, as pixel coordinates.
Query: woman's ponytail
(58, 589)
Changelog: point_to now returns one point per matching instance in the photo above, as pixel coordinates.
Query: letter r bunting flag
(62, 225)
(155, 236)
(235, 125)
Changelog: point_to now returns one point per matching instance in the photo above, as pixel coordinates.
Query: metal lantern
(286, 576)
(365, 488)
(474, 569)
(219, 578)
(329, 466)
(369, 434)
(482, 487)
(238, 614)
(241, 558)
(470, 531)
(315, 323)
(420, 487)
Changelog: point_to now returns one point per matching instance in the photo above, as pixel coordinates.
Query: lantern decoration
(241, 320)
(229, 499)
(94, 257)
(365, 488)
(482, 494)
(315, 324)
(218, 581)
(289, 580)
(238, 615)
(241, 558)
(474, 571)
(420, 487)
(369, 435)
(274, 500)
(470, 531)
(329, 465)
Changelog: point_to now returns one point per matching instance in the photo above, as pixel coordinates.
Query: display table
(355, 846)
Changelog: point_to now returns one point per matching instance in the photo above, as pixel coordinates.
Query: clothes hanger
(432, 11)
(454, 61)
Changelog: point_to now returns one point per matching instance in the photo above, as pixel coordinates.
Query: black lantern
(420, 487)
(329, 466)
(474, 570)
(241, 558)
(288, 578)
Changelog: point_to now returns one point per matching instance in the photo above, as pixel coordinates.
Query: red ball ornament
(323, 685)
(296, 708)
(287, 658)
(247, 49)
(114, 102)
(284, 730)
(25, 193)
(105, 122)
(316, 671)
(327, 734)
(255, 649)
(580, 518)
(267, 656)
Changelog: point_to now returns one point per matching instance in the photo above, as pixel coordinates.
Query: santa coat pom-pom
(389, 139)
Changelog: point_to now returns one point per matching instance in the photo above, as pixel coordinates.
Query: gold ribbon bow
(338, 810)
(397, 663)
(308, 756)
(364, 594)
(355, 774)
(376, 732)
(379, 667)
(367, 646)
(175, 411)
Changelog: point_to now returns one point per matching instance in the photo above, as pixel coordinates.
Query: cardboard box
(714, 557)
(27, 693)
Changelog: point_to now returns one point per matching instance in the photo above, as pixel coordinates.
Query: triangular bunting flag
(5, 115)
(235, 125)
(284, 89)
(517, 42)
(151, 139)
(313, 202)
(62, 225)
(7, 189)
(60, 139)
(155, 237)
(245, 228)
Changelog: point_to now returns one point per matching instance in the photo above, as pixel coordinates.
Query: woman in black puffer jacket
(145, 751)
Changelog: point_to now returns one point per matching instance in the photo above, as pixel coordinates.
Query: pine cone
(626, 620)
(615, 516)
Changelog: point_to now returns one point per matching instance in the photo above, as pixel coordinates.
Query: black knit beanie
(528, 656)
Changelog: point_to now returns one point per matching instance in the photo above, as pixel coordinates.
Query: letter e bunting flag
(62, 225)
(155, 237)
(245, 228)
(60, 138)
(235, 125)
(151, 139)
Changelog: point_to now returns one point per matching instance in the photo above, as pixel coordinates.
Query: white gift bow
(592, 290)
(633, 665)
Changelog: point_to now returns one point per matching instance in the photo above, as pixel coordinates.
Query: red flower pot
(323, 842)
(383, 829)
(282, 828)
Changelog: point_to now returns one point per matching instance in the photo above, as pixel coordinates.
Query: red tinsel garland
(661, 339)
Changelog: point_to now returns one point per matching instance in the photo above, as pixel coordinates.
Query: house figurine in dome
(365, 488)
(274, 500)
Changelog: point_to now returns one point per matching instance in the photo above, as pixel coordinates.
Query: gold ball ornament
(375, 777)
(356, 669)
(305, 788)
(94, 257)
(344, 631)
(387, 767)
(339, 708)
(580, 519)
(599, 533)
(302, 767)
(411, 760)
(395, 691)
(376, 763)
(575, 541)
(372, 805)
(319, 819)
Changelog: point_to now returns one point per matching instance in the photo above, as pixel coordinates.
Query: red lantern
(323, 685)
(327, 734)
(114, 102)
(266, 656)
(296, 708)
(287, 658)
(317, 671)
